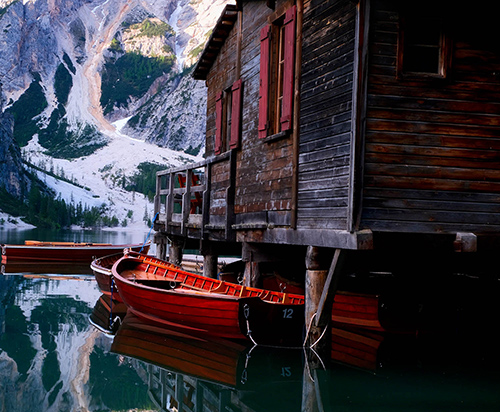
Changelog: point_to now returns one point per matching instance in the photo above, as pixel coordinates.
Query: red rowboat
(34, 250)
(159, 291)
(382, 312)
(101, 268)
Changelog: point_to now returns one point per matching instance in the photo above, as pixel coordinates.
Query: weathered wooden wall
(433, 146)
(264, 169)
(325, 115)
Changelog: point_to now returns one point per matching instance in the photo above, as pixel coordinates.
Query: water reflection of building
(174, 391)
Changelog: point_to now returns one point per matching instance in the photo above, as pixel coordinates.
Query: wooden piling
(210, 268)
(176, 251)
(319, 294)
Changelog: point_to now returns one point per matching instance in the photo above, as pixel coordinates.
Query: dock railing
(183, 196)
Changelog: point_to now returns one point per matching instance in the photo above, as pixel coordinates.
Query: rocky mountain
(79, 74)
(87, 63)
(11, 169)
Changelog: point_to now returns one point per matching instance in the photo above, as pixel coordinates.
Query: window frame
(277, 75)
(228, 106)
(444, 47)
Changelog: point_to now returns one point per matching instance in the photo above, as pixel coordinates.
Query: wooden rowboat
(33, 250)
(101, 268)
(377, 311)
(158, 291)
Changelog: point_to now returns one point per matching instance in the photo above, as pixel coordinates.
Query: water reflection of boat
(158, 291)
(356, 348)
(459, 370)
(190, 367)
(107, 314)
(38, 251)
(212, 360)
(386, 353)
(44, 267)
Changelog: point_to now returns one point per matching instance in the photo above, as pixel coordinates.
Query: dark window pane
(421, 59)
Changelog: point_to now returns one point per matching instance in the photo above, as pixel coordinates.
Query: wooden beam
(359, 99)
(330, 286)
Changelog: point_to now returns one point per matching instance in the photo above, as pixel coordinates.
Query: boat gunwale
(145, 259)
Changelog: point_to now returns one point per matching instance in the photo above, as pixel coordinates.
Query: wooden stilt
(329, 288)
(252, 274)
(210, 268)
(320, 290)
(161, 242)
(176, 252)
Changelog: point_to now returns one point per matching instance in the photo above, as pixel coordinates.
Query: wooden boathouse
(363, 129)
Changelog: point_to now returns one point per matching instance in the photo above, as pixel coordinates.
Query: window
(277, 64)
(228, 118)
(423, 47)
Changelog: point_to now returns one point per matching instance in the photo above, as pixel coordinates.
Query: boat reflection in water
(194, 373)
(60, 268)
(108, 314)
(367, 371)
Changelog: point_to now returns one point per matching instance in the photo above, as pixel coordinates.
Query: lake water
(54, 358)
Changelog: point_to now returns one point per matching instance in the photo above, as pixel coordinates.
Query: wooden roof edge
(227, 19)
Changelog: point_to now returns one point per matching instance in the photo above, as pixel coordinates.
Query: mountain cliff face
(83, 64)
(12, 177)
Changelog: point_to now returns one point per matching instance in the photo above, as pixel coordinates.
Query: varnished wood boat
(158, 291)
(34, 250)
(376, 311)
(101, 268)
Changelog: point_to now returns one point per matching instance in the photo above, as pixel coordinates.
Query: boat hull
(63, 252)
(101, 268)
(188, 310)
(160, 292)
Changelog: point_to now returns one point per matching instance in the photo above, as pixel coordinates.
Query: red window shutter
(236, 114)
(289, 69)
(265, 39)
(218, 124)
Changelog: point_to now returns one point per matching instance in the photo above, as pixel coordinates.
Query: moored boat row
(161, 292)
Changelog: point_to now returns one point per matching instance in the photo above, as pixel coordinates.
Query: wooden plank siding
(264, 169)
(432, 153)
(326, 114)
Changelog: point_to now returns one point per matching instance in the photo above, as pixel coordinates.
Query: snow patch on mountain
(100, 174)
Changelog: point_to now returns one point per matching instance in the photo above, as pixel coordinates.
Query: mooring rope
(150, 229)
(111, 306)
